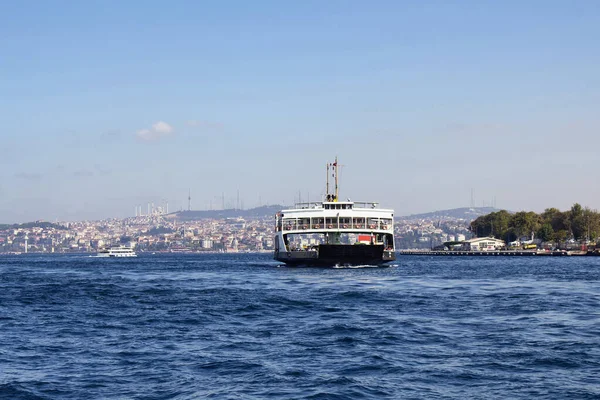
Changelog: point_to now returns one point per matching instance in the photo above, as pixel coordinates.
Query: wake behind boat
(121, 251)
(333, 232)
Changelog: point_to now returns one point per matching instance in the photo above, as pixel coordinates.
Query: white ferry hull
(117, 253)
(114, 255)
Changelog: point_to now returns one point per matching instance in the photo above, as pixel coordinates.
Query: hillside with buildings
(466, 213)
(258, 212)
(211, 230)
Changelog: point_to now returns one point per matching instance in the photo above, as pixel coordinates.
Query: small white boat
(121, 251)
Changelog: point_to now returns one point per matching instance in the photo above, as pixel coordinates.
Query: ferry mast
(334, 168)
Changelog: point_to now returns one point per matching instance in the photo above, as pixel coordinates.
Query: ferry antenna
(334, 166)
(337, 188)
(327, 183)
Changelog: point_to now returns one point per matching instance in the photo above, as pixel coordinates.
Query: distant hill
(467, 213)
(264, 211)
(29, 225)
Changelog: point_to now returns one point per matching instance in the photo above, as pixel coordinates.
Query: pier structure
(497, 253)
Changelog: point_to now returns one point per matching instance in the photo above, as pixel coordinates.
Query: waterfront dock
(496, 253)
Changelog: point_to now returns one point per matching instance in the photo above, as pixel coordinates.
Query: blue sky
(109, 104)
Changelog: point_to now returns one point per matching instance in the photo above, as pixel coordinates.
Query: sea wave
(238, 326)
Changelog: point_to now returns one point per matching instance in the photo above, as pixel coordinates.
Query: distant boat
(120, 251)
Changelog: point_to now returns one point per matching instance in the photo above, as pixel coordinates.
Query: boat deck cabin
(335, 216)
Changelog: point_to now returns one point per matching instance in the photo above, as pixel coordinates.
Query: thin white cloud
(158, 130)
(162, 127)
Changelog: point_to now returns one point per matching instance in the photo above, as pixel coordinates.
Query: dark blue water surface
(242, 327)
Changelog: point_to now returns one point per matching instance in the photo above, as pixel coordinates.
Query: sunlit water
(242, 327)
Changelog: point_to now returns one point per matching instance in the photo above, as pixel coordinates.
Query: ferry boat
(121, 251)
(334, 232)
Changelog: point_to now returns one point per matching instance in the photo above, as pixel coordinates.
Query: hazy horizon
(109, 105)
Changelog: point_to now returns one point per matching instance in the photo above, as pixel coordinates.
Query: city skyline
(107, 106)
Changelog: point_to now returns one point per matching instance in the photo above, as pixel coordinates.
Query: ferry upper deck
(343, 215)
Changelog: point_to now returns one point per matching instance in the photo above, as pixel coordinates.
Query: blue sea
(221, 326)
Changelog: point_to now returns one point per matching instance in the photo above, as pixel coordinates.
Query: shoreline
(500, 253)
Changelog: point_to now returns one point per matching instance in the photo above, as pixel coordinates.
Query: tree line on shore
(552, 225)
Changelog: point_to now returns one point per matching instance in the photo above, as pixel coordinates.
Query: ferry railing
(293, 226)
(319, 204)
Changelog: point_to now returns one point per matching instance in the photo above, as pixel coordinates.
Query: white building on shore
(483, 244)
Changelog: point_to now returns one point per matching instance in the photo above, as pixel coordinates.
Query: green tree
(592, 223)
(525, 223)
(552, 224)
(501, 225)
(560, 236)
(495, 224)
(546, 233)
(578, 226)
(560, 221)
